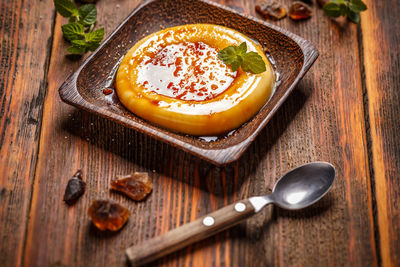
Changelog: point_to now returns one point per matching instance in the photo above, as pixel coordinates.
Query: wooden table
(345, 111)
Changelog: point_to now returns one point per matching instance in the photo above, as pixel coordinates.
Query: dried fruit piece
(108, 215)
(271, 9)
(299, 10)
(136, 185)
(75, 188)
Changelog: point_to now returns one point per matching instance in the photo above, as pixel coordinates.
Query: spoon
(297, 189)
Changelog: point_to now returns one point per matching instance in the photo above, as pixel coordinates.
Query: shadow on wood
(98, 234)
(150, 154)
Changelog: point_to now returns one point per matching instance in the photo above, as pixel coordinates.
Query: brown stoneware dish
(292, 56)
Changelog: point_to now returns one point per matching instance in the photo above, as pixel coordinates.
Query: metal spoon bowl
(300, 187)
(303, 186)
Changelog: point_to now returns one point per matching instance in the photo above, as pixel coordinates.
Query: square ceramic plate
(292, 54)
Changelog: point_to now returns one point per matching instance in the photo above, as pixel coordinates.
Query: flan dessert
(174, 79)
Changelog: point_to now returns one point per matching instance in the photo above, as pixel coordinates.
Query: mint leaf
(80, 43)
(236, 64)
(332, 9)
(242, 49)
(338, 1)
(253, 62)
(87, 14)
(92, 46)
(66, 8)
(351, 8)
(228, 54)
(357, 6)
(85, 45)
(353, 16)
(343, 9)
(237, 56)
(76, 50)
(79, 30)
(95, 36)
(73, 31)
(72, 19)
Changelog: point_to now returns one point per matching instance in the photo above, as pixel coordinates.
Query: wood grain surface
(345, 111)
(24, 53)
(380, 44)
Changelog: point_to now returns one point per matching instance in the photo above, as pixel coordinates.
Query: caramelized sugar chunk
(136, 185)
(75, 188)
(108, 215)
(271, 9)
(107, 91)
(299, 10)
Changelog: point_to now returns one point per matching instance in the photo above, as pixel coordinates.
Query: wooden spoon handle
(187, 234)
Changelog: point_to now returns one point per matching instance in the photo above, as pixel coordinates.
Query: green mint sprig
(351, 8)
(237, 56)
(80, 29)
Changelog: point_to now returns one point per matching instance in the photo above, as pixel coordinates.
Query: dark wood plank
(25, 39)
(322, 120)
(380, 39)
(66, 235)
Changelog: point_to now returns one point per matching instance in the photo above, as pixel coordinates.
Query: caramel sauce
(185, 71)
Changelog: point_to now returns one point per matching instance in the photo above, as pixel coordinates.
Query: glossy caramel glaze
(174, 78)
(186, 71)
